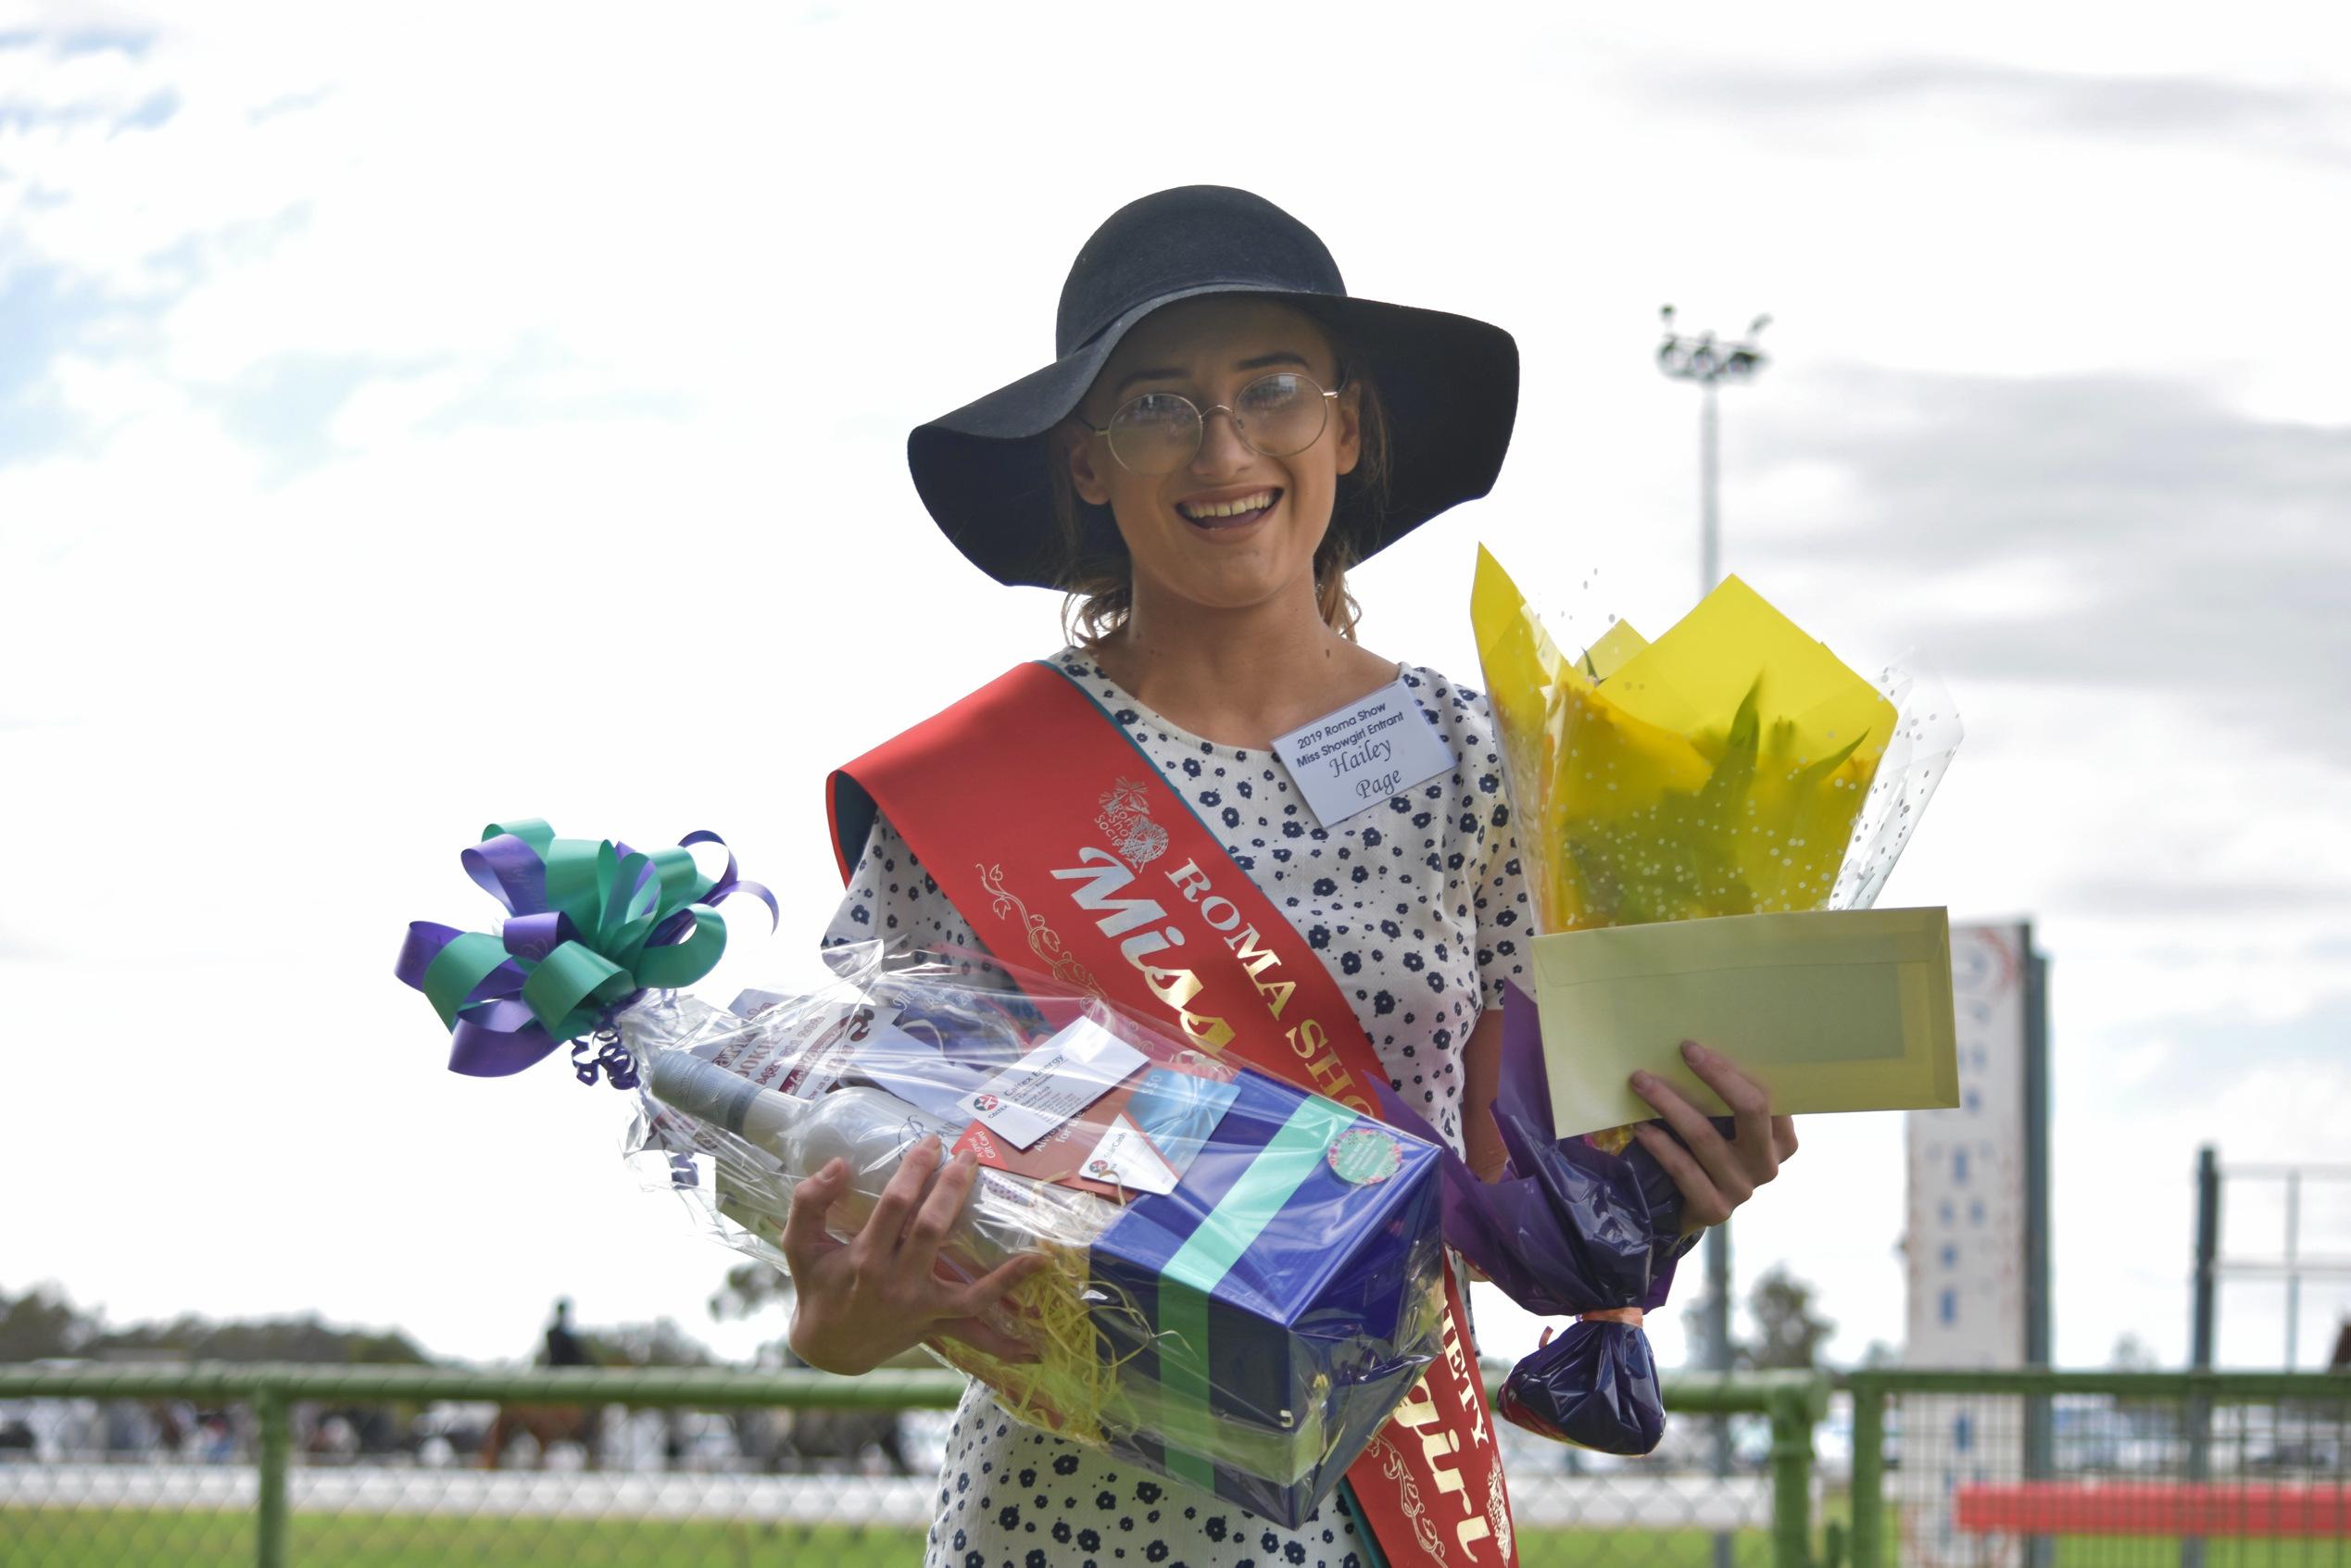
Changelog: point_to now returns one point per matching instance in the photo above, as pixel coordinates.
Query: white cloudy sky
(465, 412)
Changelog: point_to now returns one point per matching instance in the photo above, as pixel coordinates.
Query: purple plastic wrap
(1570, 1230)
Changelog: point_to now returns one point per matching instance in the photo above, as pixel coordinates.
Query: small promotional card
(1139, 1137)
(1125, 1158)
(1363, 754)
(1051, 1084)
(913, 1070)
(1060, 1156)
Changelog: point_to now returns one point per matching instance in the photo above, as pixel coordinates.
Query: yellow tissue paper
(1717, 770)
(1728, 768)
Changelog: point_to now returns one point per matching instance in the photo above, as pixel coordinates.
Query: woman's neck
(1238, 677)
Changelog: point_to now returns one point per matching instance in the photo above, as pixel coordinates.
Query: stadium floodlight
(1709, 362)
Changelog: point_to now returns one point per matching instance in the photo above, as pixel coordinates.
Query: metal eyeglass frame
(1330, 396)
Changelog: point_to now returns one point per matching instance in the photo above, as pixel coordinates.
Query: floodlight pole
(1709, 363)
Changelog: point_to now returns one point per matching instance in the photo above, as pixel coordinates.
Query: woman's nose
(1220, 446)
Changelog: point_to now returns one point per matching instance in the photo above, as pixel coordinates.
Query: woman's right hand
(859, 1302)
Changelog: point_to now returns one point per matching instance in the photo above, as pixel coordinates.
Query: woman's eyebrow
(1156, 373)
(1169, 372)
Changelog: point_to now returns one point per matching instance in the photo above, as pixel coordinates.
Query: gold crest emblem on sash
(1126, 818)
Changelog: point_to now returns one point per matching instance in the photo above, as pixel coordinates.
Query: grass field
(90, 1539)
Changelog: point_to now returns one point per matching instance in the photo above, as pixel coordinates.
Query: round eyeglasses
(1276, 416)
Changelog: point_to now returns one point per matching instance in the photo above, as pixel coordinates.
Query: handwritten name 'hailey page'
(1363, 754)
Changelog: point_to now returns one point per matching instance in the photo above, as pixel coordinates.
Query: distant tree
(43, 1323)
(1789, 1329)
(1879, 1357)
(658, 1343)
(748, 1288)
(270, 1339)
(2131, 1353)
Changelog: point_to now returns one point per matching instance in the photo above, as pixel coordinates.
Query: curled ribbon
(591, 924)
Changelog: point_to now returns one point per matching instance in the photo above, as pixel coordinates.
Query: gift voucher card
(1842, 1010)
(1051, 1084)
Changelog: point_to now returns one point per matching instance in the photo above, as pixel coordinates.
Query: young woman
(1223, 432)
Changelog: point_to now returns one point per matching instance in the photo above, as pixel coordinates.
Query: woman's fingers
(995, 1284)
(984, 1292)
(1783, 1134)
(1736, 1165)
(804, 1234)
(1708, 1147)
(1701, 1204)
(937, 1217)
(1752, 1148)
(877, 1244)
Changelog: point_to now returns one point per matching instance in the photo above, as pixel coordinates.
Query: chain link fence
(2101, 1470)
(127, 1466)
(131, 1466)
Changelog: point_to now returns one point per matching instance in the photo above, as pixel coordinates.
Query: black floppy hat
(1449, 383)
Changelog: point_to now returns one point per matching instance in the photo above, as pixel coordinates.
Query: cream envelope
(1842, 1010)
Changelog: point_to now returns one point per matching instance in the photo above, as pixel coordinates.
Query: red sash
(1064, 849)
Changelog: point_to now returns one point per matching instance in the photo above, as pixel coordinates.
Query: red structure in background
(2154, 1508)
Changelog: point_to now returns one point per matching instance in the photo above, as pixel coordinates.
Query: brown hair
(1101, 586)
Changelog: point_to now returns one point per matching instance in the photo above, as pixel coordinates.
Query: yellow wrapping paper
(1718, 770)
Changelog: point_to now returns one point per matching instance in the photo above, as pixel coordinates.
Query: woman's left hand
(1716, 1175)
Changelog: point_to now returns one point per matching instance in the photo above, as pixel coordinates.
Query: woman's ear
(1349, 418)
(1079, 448)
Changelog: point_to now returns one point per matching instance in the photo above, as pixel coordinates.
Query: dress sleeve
(1503, 911)
(890, 898)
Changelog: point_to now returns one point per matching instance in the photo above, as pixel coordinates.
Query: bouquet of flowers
(1244, 1279)
(1734, 766)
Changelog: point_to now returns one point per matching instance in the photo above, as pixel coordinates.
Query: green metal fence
(129, 1465)
(265, 1479)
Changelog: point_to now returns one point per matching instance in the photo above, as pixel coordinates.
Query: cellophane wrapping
(1247, 1330)
(1735, 766)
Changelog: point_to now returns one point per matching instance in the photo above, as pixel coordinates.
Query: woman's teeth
(1246, 504)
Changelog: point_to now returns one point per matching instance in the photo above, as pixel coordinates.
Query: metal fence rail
(267, 1486)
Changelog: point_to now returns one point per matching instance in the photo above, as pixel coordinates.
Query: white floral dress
(1419, 910)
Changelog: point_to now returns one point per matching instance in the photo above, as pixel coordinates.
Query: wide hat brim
(1449, 385)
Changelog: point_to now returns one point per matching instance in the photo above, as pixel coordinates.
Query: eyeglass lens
(1278, 415)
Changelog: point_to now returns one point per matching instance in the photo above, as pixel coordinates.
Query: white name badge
(1363, 753)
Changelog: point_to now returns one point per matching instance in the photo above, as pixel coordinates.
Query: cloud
(2162, 898)
(2116, 531)
(2289, 123)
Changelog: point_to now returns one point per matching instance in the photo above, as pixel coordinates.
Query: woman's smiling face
(1232, 528)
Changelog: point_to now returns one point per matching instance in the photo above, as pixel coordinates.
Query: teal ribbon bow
(591, 924)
